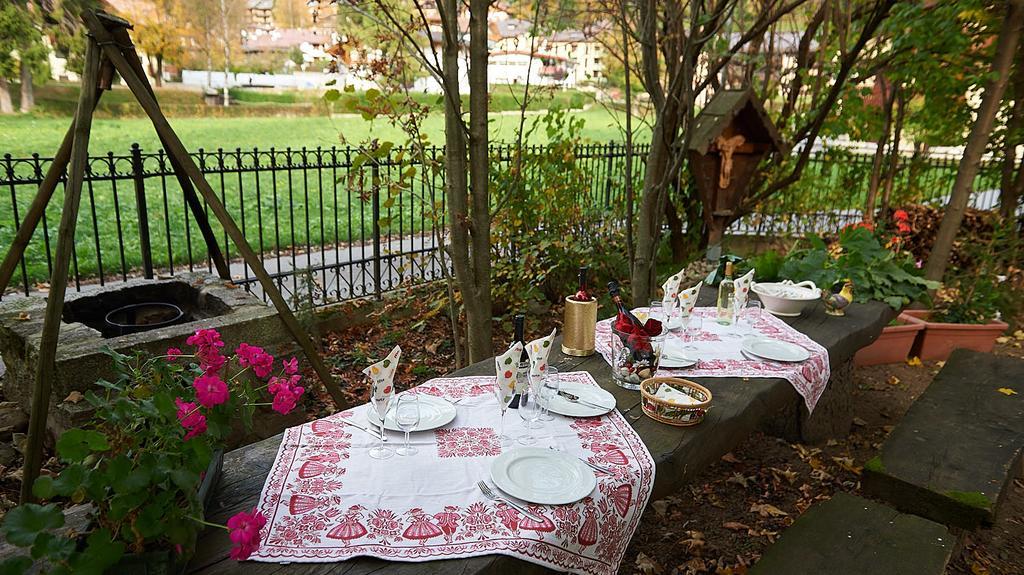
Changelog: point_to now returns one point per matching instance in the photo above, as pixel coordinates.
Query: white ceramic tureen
(787, 298)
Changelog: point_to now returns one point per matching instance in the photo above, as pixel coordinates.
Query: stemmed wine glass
(407, 416)
(504, 396)
(694, 325)
(657, 311)
(752, 315)
(550, 382)
(529, 411)
(381, 451)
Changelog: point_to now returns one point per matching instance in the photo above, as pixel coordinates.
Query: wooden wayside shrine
(109, 48)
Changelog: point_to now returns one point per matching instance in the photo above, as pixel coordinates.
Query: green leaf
(100, 553)
(331, 82)
(77, 444)
(148, 522)
(56, 548)
(332, 95)
(15, 565)
(135, 480)
(22, 524)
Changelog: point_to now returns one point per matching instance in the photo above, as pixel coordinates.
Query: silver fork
(490, 494)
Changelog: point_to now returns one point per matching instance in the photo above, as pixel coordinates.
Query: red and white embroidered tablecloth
(326, 500)
(721, 356)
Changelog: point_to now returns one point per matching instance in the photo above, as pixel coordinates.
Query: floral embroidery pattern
(809, 378)
(314, 516)
(467, 442)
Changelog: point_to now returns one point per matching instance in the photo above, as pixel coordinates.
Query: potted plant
(894, 345)
(143, 464)
(978, 292)
(966, 315)
(875, 261)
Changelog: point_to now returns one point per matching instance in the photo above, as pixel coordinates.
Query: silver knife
(576, 399)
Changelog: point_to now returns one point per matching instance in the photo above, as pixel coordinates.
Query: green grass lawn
(291, 206)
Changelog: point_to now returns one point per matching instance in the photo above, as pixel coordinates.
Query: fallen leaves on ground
(1006, 391)
(915, 362)
(767, 510)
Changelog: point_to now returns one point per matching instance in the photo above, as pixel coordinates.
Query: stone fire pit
(205, 302)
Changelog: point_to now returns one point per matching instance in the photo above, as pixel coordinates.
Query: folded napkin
(538, 351)
(382, 374)
(672, 395)
(742, 286)
(671, 287)
(505, 367)
(688, 298)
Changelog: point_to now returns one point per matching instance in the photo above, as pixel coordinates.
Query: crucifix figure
(726, 147)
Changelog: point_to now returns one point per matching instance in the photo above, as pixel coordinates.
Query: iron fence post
(375, 184)
(140, 205)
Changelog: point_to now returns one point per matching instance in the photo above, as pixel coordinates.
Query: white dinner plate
(774, 349)
(673, 355)
(587, 393)
(434, 412)
(542, 476)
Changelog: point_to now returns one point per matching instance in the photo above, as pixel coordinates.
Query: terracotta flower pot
(893, 346)
(940, 339)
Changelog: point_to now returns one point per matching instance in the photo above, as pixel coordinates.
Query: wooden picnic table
(740, 406)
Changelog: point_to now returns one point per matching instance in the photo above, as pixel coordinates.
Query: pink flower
(285, 400)
(244, 531)
(262, 363)
(901, 215)
(211, 361)
(903, 227)
(291, 366)
(173, 353)
(205, 338)
(210, 390)
(190, 418)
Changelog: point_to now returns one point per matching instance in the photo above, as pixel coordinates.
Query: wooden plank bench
(959, 446)
(849, 535)
(740, 407)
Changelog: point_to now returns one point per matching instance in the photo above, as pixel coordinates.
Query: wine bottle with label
(523, 367)
(726, 297)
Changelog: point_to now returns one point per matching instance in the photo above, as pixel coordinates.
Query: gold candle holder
(579, 327)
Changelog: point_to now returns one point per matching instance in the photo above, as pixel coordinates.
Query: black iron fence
(340, 223)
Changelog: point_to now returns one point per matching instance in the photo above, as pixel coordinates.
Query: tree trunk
(888, 97)
(977, 140)
(6, 105)
(894, 153)
(478, 304)
(1012, 178)
(28, 96)
(159, 69)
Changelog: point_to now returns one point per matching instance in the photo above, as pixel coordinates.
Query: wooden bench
(741, 406)
(849, 535)
(959, 446)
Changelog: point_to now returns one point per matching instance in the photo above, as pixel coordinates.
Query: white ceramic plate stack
(434, 412)
(590, 397)
(542, 476)
(775, 350)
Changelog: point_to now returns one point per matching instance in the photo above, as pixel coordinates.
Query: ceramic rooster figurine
(838, 298)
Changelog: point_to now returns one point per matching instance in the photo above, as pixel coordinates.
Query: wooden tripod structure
(110, 49)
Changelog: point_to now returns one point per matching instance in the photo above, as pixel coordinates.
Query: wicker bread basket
(670, 412)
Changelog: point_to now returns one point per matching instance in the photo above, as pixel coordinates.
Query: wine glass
(504, 396)
(657, 312)
(529, 411)
(550, 382)
(381, 451)
(752, 315)
(694, 326)
(407, 417)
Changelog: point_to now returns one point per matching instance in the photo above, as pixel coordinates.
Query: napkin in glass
(505, 368)
(538, 351)
(382, 375)
(688, 298)
(742, 286)
(671, 286)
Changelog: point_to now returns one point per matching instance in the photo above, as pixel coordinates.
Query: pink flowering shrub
(140, 461)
